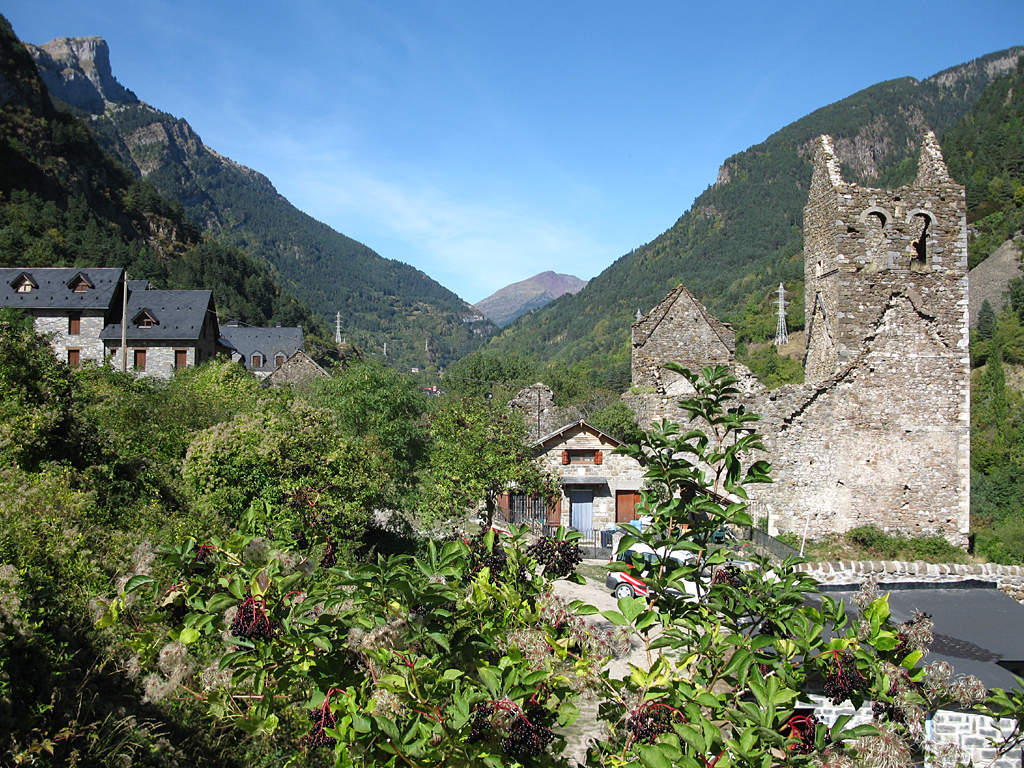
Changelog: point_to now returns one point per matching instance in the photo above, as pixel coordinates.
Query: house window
(581, 457)
(257, 360)
(146, 322)
(140, 359)
(73, 357)
(80, 287)
(74, 325)
(279, 360)
(25, 287)
(180, 358)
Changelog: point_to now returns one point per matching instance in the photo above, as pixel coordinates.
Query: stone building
(599, 488)
(880, 432)
(73, 305)
(680, 329)
(261, 350)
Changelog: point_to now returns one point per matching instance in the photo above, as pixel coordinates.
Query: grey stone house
(261, 350)
(74, 305)
(166, 330)
(599, 488)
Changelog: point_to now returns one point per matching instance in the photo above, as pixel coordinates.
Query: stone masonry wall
(972, 733)
(621, 472)
(679, 330)
(880, 433)
(87, 341)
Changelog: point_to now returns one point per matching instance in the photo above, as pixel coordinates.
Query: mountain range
(515, 300)
(743, 235)
(378, 301)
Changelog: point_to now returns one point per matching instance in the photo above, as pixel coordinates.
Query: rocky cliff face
(77, 71)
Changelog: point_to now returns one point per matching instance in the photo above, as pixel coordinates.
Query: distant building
(82, 310)
(261, 350)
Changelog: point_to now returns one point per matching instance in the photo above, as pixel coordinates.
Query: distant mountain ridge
(515, 300)
(380, 301)
(743, 235)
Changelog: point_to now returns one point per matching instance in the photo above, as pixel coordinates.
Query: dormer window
(79, 283)
(24, 284)
(145, 319)
(257, 360)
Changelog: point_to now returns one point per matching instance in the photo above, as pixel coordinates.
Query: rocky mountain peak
(77, 71)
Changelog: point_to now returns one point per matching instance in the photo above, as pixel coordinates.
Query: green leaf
(631, 607)
(137, 582)
(652, 757)
(188, 635)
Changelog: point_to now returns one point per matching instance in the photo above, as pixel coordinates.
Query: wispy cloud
(474, 248)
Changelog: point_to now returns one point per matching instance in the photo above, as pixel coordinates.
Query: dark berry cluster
(843, 680)
(482, 727)
(771, 629)
(728, 574)
(528, 736)
(495, 560)
(330, 558)
(801, 727)
(251, 622)
(321, 718)
(652, 720)
(559, 558)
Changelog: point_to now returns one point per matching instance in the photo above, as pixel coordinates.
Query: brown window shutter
(598, 457)
(554, 511)
(565, 457)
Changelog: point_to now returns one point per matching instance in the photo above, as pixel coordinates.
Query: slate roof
(269, 342)
(53, 291)
(179, 315)
(979, 630)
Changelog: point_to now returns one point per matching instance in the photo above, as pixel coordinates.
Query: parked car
(628, 583)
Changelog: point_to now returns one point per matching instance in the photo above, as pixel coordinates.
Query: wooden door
(625, 506)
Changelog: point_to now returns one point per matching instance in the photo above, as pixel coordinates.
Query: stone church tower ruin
(880, 432)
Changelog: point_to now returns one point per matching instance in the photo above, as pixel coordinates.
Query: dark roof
(53, 289)
(269, 342)
(179, 316)
(979, 630)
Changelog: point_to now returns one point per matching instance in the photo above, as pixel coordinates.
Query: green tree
(986, 321)
(38, 417)
(478, 452)
(372, 400)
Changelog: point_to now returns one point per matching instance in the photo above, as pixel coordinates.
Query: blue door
(581, 509)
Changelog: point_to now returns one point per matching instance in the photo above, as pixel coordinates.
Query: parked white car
(629, 584)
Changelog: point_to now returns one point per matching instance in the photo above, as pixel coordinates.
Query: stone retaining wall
(1006, 577)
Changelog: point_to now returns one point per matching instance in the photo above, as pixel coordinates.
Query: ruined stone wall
(880, 434)
(678, 330)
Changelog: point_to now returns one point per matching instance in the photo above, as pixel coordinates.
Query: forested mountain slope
(380, 300)
(63, 202)
(743, 235)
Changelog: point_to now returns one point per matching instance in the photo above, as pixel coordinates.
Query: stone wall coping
(856, 571)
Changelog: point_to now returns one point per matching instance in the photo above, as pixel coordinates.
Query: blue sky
(484, 142)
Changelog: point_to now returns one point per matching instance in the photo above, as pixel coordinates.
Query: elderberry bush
(321, 718)
(251, 622)
(844, 680)
(528, 735)
(559, 558)
(652, 720)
